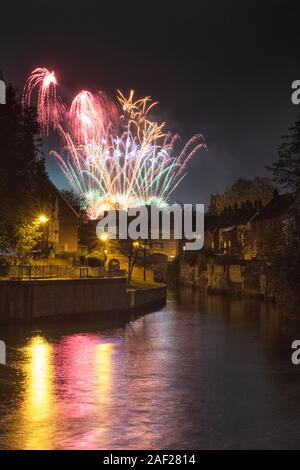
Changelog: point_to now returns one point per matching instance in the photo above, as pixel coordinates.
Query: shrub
(4, 266)
(95, 260)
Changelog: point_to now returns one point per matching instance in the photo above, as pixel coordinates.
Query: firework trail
(112, 153)
(92, 116)
(49, 107)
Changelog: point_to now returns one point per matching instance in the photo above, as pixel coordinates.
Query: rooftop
(277, 207)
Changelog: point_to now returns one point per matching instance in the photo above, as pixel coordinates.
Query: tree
(286, 170)
(284, 274)
(283, 253)
(77, 201)
(28, 234)
(22, 168)
(243, 190)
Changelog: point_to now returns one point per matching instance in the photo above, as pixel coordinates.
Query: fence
(60, 272)
(44, 272)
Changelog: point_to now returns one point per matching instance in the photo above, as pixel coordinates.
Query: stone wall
(215, 278)
(26, 300)
(149, 297)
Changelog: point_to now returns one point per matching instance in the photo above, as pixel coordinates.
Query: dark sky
(222, 68)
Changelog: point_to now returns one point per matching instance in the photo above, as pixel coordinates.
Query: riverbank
(220, 277)
(49, 299)
(148, 295)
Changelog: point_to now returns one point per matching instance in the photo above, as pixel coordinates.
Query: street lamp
(43, 219)
(104, 237)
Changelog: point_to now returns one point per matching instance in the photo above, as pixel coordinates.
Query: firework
(112, 153)
(92, 116)
(49, 107)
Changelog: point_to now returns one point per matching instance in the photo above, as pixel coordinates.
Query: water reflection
(200, 373)
(39, 371)
(84, 375)
(38, 404)
(104, 368)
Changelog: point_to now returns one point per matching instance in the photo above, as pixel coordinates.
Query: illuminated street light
(43, 219)
(104, 236)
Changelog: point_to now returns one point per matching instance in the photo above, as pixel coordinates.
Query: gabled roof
(277, 207)
(210, 221)
(232, 218)
(61, 196)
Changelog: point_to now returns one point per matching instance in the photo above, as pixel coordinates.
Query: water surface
(200, 373)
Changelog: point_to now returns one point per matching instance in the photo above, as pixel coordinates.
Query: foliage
(286, 170)
(283, 252)
(243, 190)
(95, 259)
(28, 234)
(77, 201)
(4, 266)
(273, 243)
(284, 273)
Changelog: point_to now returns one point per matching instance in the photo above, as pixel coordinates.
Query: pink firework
(91, 116)
(50, 110)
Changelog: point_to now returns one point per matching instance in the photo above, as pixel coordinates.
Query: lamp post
(43, 219)
(104, 237)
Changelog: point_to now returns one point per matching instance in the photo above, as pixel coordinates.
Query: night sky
(223, 69)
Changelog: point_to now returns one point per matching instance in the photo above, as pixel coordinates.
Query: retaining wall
(149, 297)
(26, 300)
(224, 279)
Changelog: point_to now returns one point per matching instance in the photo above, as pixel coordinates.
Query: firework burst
(112, 153)
(50, 108)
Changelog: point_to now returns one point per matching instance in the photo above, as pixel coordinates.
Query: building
(269, 223)
(167, 247)
(240, 232)
(236, 232)
(229, 232)
(59, 222)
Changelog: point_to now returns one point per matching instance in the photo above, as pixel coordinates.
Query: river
(201, 373)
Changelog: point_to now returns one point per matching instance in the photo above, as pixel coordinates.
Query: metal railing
(40, 272)
(60, 272)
